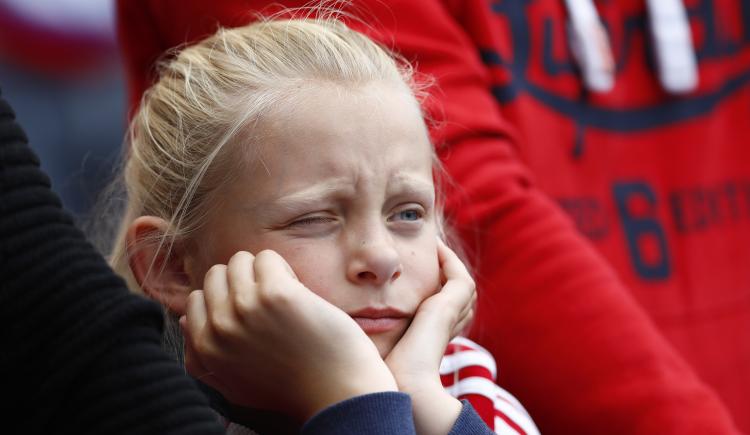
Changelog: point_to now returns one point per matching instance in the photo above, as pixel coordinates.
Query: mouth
(379, 320)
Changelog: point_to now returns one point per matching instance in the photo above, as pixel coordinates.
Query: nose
(374, 260)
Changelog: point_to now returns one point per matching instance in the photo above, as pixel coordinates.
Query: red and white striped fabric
(468, 372)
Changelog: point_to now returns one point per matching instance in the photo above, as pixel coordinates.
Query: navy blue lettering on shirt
(687, 210)
(715, 45)
(659, 214)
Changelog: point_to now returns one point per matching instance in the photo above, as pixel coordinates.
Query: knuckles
(244, 301)
(223, 326)
(266, 256)
(214, 273)
(194, 297)
(273, 295)
(242, 257)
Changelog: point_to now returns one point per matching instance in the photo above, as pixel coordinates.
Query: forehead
(359, 114)
(324, 130)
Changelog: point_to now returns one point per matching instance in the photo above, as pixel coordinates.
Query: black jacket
(78, 352)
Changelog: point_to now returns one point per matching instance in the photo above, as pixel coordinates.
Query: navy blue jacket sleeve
(376, 413)
(469, 422)
(380, 413)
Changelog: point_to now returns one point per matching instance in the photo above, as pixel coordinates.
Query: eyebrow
(315, 193)
(299, 200)
(405, 184)
(295, 201)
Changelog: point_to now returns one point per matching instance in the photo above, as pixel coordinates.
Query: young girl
(302, 142)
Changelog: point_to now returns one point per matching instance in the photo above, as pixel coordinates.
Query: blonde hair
(218, 88)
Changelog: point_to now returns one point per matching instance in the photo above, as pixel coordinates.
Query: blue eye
(408, 215)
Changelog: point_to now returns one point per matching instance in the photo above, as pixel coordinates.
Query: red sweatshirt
(659, 184)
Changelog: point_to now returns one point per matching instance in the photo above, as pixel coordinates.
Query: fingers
(193, 326)
(464, 321)
(241, 281)
(450, 264)
(232, 290)
(468, 308)
(240, 270)
(196, 315)
(458, 280)
(192, 362)
(269, 267)
(195, 367)
(215, 290)
(459, 289)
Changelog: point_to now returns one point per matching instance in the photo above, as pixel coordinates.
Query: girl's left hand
(415, 360)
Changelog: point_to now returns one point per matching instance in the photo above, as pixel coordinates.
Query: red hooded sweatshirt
(591, 333)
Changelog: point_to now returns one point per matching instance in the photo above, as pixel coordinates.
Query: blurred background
(60, 71)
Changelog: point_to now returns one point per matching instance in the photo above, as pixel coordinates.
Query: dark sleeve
(469, 422)
(377, 413)
(80, 354)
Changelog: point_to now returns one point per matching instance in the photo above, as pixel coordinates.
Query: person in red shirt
(648, 163)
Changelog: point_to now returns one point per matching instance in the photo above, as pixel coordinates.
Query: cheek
(315, 269)
(210, 250)
(423, 270)
(218, 247)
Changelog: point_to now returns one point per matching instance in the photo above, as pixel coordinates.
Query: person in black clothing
(80, 353)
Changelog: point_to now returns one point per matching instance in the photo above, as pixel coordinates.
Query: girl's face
(342, 188)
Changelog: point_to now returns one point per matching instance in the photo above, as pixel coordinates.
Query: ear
(159, 269)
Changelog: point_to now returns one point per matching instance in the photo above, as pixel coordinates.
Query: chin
(384, 351)
(384, 343)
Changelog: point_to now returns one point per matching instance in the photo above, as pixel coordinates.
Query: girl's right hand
(264, 340)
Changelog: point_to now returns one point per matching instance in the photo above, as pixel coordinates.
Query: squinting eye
(408, 215)
(311, 220)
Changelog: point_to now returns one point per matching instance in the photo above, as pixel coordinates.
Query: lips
(379, 320)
